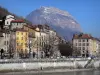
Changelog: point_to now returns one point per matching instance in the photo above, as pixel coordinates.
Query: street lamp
(37, 47)
(30, 52)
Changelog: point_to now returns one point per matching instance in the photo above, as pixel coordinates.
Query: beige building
(86, 44)
(39, 42)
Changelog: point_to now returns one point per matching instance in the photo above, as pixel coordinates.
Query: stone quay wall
(36, 64)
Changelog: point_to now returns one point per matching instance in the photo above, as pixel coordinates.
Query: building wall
(94, 47)
(86, 46)
(8, 20)
(15, 25)
(22, 41)
(31, 36)
(4, 41)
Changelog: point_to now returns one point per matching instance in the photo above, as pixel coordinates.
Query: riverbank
(51, 65)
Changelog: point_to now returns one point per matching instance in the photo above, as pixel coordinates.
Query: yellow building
(94, 46)
(22, 41)
(31, 36)
(30, 29)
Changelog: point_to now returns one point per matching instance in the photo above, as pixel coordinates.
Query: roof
(20, 20)
(20, 30)
(82, 36)
(44, 27)
(31, 26)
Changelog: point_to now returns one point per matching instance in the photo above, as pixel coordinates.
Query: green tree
(65, 49)
(2, 51)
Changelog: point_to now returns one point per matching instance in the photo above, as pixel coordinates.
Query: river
(89, 72)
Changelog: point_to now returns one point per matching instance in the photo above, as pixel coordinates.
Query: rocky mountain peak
(56, 18)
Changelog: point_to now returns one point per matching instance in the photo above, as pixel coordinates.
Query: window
(76, 44)
(18, 24)
(7, 42)
(17, 44)
(22, 38)
(79, 48)
(21, 50)
(87, 44)
(79, 44)
(4, 42)
(83, 40)
(15, 24)
(87, 40)
(7, 22)
(79, 40)
(83, 48)
(87, 51)
(17, 38)
(26, 44)
(22, 33)
(87, 48)
(83, 44)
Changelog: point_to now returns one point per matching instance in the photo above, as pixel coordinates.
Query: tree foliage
(65, 49)
(76, 52)
(48, 50)
(2, 51)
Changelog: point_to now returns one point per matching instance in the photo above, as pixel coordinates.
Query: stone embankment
(48, 64)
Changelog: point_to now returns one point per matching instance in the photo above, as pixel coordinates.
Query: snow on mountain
(59, 20)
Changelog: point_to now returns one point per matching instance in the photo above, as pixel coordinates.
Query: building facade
(5, 40)
(86, 44)
(25, 40)
(20, 43)
(31, 35)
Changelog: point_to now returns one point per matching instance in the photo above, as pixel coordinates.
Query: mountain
(59, 20)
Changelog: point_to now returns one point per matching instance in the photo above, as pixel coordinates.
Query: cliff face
(59, 20)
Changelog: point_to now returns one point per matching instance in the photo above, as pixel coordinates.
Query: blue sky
(86, 12)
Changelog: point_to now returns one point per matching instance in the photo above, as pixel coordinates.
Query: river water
(91, 72)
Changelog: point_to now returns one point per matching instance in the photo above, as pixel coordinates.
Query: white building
(8, 20)
(5, 41)
(86, 44)
(15, 24)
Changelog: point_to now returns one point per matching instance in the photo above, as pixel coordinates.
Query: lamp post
(30, 52)
(37, 47)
